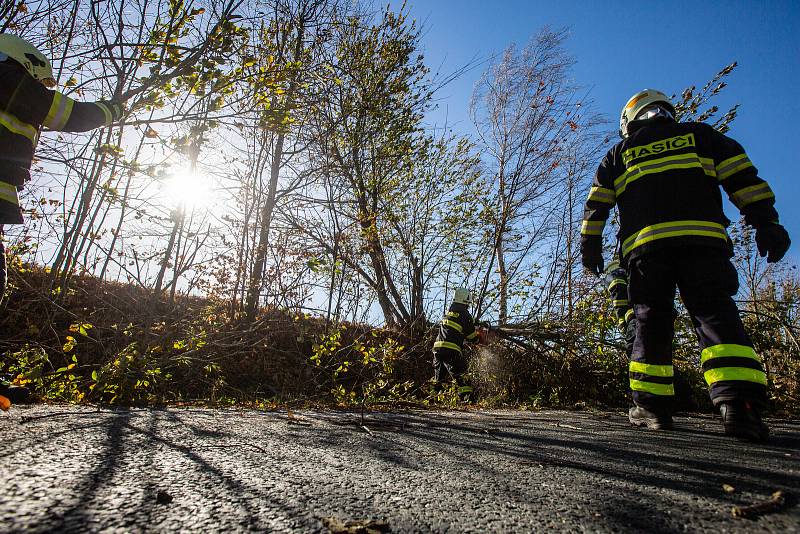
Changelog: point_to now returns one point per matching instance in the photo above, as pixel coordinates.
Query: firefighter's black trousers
(707, 282)
(448, 365)
(630, 336)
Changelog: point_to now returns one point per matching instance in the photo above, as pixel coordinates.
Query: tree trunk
(257, 275)
(503, 287)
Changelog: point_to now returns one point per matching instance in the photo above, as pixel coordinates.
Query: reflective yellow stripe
(454, 325)
(472, 336)
(728, 350)
(446, 345)
(601, 194)
(60, 111)
(620, 302)
(629, 315)
(742, 374)
(8, 193)
(732, 166)
(615, 282)
(651, 369)
(592, 227)
(673, 229)
(650, 387)
(754, 193)
(109, 117)
(680, 161)
(14, 125)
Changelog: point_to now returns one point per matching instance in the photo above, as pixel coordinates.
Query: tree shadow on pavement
(620, 478)
(75, 517)
(128, 452)
(632, 466)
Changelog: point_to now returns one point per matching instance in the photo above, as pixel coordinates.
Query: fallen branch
(774, 504)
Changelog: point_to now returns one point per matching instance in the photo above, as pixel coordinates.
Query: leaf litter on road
(355, 526)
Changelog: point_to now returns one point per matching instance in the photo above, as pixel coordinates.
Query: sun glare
(187, 188)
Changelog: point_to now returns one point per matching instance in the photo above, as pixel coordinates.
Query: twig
(774, 504)
(237, 445)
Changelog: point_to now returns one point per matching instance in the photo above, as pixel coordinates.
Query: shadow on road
(127, 443)
(622, 478)
(695, 462)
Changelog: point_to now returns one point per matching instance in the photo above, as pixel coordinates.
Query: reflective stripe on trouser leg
(733, 372)
(652, 290)
(731, 367)
(729, 361)
(650, 370)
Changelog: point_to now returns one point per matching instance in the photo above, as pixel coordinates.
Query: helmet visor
(652, 112)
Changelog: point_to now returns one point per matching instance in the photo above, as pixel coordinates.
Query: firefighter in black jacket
(617, 280)
(28, 103)
(456, 327)
(665, 178)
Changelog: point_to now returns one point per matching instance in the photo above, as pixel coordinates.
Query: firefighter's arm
(32, 104)
(752, 195)
(68, 115)
(618, 291)
(468, 329)
(739, 178)
(601, 199)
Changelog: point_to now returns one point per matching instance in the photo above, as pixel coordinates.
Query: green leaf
(69, 345)
(81, 328)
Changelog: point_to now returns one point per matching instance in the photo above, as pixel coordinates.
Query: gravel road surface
(80, 469)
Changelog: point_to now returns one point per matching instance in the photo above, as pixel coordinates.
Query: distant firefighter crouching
(457, 326)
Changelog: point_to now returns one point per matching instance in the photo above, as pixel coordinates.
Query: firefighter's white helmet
(462, 296)
(638, 102)
(28, 56)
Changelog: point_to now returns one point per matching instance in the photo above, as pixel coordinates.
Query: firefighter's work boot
(639, 416)
(16, 394)
(742, 420)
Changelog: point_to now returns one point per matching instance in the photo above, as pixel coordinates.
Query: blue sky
(623, 47)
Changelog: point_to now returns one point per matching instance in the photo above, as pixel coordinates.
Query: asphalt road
(192, 470)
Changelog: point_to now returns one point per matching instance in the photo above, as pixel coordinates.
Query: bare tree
(530, 121)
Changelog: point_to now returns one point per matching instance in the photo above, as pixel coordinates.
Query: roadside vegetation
(277, 222)
(114, 344)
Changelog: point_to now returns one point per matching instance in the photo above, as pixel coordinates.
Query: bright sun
(187, 188)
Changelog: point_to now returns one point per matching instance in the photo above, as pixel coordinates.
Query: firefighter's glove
(116, 108)
(772, 241)
(592, 255)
